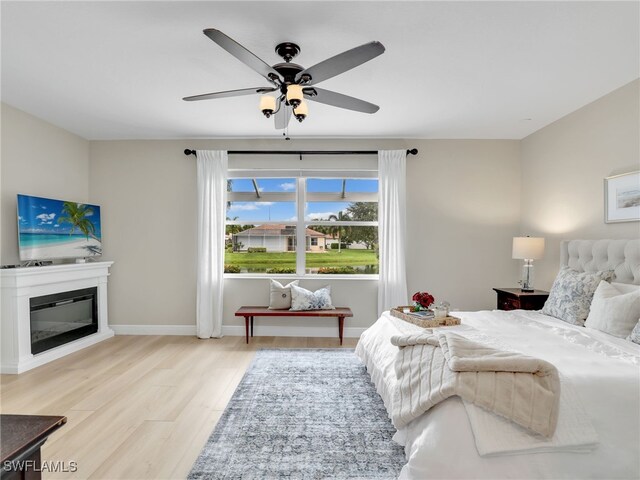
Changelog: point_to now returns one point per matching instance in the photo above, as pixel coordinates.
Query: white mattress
(604, 372)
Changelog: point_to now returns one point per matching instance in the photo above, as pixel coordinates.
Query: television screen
(50, 229)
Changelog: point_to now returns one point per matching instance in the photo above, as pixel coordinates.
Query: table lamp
(527, 249)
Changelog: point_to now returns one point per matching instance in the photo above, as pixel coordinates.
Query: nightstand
(514, 298)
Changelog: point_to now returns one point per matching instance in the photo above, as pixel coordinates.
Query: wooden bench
(250, 312)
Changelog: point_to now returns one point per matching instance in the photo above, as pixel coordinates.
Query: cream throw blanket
(431, 367)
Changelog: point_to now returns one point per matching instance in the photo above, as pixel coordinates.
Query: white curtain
(392, 220)
(212, 208)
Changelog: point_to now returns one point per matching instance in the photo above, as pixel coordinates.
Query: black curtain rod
(413, 151)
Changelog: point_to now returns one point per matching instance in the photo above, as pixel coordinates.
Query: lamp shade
(267, 102)
(302, 109)
(531, 248)
(294, 94)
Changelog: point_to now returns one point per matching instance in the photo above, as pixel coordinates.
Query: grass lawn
(330, 258)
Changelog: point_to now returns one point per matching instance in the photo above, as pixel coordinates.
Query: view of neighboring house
(330, 240)
(277, 238)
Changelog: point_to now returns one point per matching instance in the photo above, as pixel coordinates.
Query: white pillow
(612, 311)
(279, 296)
(626, 287)
(303, 299)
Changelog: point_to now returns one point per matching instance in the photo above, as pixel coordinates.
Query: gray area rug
(302, 414)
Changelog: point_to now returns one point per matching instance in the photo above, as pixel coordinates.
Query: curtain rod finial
(413, 151)
(189, 152)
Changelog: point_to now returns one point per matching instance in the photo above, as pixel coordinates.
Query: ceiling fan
(292, 82)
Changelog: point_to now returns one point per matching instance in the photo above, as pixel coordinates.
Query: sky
(40, 215)
(286, 211)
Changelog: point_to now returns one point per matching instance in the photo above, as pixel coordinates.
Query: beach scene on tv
(49, 229)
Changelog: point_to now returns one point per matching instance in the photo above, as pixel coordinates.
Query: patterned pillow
(571, 295)
(303, 299)
(635, 334)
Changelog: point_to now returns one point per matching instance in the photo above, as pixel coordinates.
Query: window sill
(291, 276)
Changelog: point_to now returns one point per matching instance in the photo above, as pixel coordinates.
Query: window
(302, 225)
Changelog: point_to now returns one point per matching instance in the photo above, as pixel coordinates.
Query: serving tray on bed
(432, 322)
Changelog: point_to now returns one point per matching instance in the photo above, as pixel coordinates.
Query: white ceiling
(118, 70)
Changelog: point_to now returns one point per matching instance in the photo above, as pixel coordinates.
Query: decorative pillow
(626, 287)
(280, 297)
(612, 311)
(571, 294)
(302, 299)
(635, 334)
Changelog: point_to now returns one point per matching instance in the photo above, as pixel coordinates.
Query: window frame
(301, 197)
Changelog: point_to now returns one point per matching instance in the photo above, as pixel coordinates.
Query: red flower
(424, 299)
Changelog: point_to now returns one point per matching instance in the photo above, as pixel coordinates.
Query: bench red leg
(246, 328)
(340, 327)
(252, 327)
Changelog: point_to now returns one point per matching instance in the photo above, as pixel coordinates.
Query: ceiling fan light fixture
(267, 105)
(301, 111)
(294, 95)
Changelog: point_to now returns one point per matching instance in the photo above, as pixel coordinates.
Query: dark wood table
(515, 298)
(249, 313)
(22, 436)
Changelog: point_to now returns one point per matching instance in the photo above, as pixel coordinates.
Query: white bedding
(603, 373)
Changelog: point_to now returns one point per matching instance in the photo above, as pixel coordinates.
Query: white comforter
(603, 372)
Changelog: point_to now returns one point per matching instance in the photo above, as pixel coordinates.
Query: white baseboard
(154, 329)
(239, 331)
(33, 361)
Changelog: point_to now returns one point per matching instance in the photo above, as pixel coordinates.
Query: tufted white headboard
(621, 256)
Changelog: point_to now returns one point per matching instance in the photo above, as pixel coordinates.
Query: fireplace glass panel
(61, 318)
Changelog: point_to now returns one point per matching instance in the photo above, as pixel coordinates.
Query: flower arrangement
(422, 300)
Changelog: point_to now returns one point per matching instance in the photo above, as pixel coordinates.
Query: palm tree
(233, 229)
(338, 229)
(76, 214)
(229, 189)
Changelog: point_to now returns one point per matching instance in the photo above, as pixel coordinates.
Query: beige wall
(563, 167)
(148, 198)
(463, 199)
(37, 158)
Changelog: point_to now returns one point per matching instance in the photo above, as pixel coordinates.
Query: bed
(600, 378)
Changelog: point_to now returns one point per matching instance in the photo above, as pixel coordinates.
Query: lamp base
(526, 284)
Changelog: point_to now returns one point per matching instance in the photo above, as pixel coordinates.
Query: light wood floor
(138, 406)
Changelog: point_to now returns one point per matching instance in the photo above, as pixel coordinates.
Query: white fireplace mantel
(18, 285)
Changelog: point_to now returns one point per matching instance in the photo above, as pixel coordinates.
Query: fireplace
(27, 290)
(62, 318)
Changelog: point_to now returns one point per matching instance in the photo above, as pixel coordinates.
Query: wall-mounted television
(54, 229)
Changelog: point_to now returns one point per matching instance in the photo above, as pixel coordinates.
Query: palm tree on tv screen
(76, 214)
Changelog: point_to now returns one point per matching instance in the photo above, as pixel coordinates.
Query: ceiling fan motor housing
(288, 71)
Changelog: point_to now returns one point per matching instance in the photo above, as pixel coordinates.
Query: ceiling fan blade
(230, 93)
(339, 100)
(281, 117)
(341, 63)
(242, 54)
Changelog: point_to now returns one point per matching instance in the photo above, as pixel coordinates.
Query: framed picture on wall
(622, 198)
